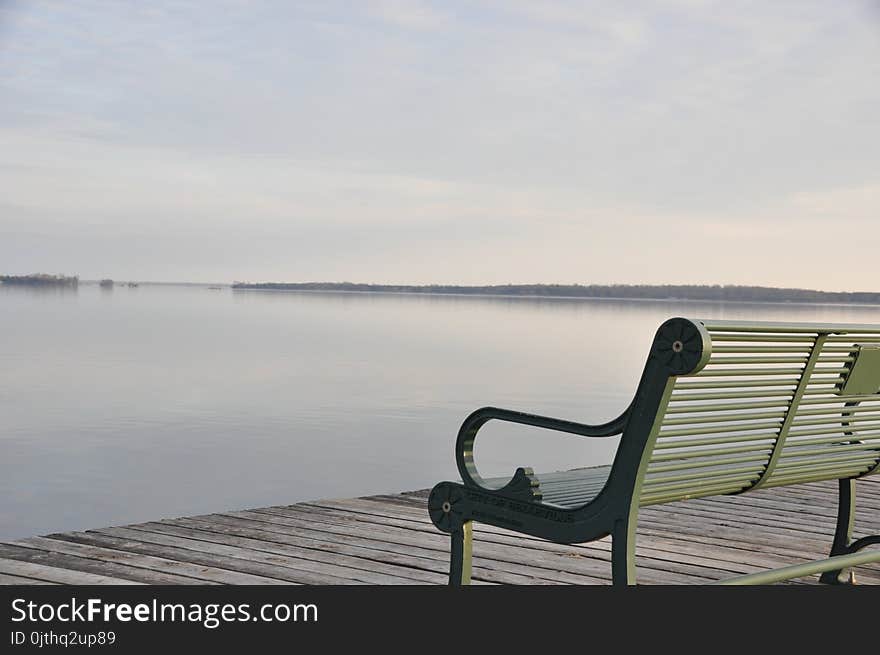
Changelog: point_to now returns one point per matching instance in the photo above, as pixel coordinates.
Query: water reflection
(37, 290)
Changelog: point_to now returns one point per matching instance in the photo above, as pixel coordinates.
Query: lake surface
(135, 404)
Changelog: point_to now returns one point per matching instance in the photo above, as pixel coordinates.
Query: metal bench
(722, 407)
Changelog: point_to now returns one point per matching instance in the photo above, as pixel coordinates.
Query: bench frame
(516, 505)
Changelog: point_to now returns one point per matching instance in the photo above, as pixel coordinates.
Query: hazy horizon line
(464, 286)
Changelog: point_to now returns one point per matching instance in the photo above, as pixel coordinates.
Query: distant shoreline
(667, 293)
(40, 280)
(618, 292)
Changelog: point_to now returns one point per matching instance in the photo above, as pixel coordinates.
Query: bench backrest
(759, 405)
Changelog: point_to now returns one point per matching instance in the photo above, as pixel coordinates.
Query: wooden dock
(389, 540)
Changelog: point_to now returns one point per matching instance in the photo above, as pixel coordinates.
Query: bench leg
(460, 556)
(623, 552)
(846, 509)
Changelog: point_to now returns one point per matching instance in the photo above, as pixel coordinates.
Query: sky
(406, 141)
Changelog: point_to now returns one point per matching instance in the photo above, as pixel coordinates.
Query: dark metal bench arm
(467, 434)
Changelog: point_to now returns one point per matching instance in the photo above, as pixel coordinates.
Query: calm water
(135, 404)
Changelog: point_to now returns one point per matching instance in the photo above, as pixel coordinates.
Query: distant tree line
(633, 291)
(41, 279)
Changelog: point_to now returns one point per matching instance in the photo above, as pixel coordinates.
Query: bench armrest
(523, 481)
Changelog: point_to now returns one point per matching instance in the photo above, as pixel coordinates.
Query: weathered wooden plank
(787, 508)
(378, 512)
(90, 565)
(294, 567)
(827, 491)
(427, 547)
(115, 554)
(187, 554)
(368, 551)
(432, 545)
(648, 558)
(736, 537)
(6, 579)
(59, 574)
(435, 560)
(744, 516)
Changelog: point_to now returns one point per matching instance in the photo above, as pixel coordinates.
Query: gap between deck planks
(388, 539)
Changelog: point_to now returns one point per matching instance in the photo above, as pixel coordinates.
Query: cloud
(859, 203)
(554, 132)
(412, 14)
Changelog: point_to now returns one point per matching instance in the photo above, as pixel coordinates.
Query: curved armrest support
(523, 481)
